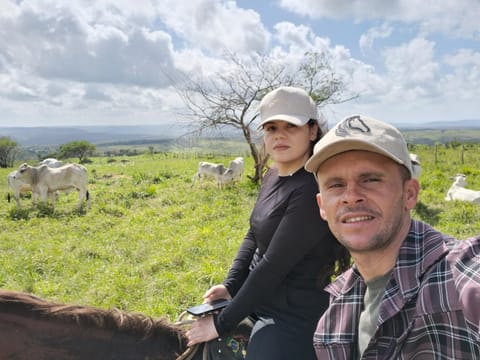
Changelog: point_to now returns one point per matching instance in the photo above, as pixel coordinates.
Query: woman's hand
(216, 292)
(202, 330)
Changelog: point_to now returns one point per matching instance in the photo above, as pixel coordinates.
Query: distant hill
(54, 136)
(144, 134)
(442, 125)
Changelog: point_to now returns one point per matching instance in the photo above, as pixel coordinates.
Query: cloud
(412, 63)
(214, 26)
(452, 18)
(59, 45)
(366, 40)
(117, 59)
(341, 9)
(463, 83)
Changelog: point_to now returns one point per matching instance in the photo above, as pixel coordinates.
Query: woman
(288, 254)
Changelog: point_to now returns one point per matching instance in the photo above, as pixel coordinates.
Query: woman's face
(287, 144)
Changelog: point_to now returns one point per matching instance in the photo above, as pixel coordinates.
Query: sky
(107, 62)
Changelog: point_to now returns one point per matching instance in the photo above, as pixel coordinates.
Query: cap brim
(341, 146)
(295, 120)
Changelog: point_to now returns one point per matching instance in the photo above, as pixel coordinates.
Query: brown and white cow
(44, 180)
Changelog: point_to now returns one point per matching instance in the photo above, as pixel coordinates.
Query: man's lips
(355, 219)
(358, 214)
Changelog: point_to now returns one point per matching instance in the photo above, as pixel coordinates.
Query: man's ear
(319, 202)
(411, 193)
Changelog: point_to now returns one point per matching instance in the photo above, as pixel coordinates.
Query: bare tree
(230, 98)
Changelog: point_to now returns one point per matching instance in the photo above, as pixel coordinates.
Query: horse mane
(87, 316)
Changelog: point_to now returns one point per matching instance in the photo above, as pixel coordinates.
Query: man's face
(365, 200)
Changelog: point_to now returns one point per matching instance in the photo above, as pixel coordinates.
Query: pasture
(151, 243)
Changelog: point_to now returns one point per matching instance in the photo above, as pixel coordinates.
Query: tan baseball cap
(359, 132)
(290, 104)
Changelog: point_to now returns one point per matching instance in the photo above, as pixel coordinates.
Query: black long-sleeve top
(280, 263)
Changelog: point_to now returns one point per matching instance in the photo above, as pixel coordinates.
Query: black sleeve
(240, 267)
(298, 232)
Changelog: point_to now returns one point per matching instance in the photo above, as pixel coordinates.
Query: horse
(33, 328)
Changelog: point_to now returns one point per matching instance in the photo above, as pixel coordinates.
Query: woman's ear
(313, 132)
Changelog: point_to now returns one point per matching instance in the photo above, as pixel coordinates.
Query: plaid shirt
(430, 308)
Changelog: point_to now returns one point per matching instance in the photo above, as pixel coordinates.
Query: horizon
(185, 125)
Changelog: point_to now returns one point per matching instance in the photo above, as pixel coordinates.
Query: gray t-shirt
(371, 306)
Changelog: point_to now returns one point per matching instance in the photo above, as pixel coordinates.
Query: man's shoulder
(465, 254)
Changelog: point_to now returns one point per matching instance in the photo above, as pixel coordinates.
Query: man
(412, 293)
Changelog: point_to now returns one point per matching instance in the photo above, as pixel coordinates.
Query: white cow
(51, 162)
(221, 175)
(416, 166)
(19, 187)
(458, 191)
(237, 166)
(44, 179)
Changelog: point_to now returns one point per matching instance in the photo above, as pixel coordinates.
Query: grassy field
(151, 243)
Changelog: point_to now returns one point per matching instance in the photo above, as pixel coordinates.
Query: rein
(184, 320)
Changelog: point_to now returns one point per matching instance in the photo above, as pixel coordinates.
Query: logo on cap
(352, 124)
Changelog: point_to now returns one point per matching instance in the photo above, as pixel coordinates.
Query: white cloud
(60, 45)
(379, 32)
(449, 17)
(80, 60)
(412, 64)
(463, 83)
(214, 26)
(339, 9)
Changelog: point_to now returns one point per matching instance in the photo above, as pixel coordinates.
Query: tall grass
(152, 243)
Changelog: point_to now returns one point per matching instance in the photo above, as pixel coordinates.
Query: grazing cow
(458, 191)
(51, 162)
(19, 187)
(237, 166)
(221, 175)
(44, 179)
(416, 166)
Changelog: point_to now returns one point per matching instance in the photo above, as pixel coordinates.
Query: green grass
(153, 244)
(150, 242)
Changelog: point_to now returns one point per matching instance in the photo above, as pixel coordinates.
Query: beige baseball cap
(359, 132)
(290, 104)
